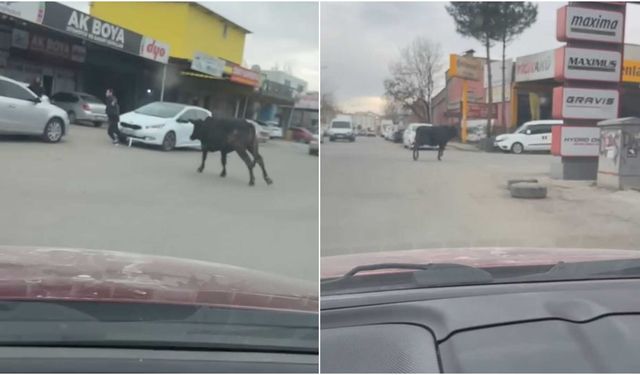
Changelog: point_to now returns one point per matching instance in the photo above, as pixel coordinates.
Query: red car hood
(335, 266)
(34, 273)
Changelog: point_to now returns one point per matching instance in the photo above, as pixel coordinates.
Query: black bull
(229, 135)
(433, 136)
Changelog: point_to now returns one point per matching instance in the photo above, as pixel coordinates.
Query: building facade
(73, 51)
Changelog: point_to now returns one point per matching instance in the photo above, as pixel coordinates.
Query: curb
(463, 147)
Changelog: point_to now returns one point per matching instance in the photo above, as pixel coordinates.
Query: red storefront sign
(474, 111)
(244, 76)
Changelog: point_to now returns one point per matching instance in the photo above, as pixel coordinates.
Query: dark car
(299, 134)
(75, 310)
(397, 136)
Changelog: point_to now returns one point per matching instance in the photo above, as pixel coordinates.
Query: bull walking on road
(228, 135)
(433, 136)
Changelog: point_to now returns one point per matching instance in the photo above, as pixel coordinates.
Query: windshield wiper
(424, 276)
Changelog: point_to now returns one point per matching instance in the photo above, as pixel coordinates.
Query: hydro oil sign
(585, 104)
(588, 64)
(597, 25)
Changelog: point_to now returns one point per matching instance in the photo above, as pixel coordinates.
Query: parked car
(397, 135)
(531, 136)
(371, 133)
(314, 145)
(163, 124)
(409, 135)
(342, 128)
(273, 127)
(301, 134)
(23, 112)
(262, 132)
(388, 134)
(81, 107)
(476, 130)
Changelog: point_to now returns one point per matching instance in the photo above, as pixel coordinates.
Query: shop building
(530, 83)
(73, 51)
(203, 71)
(447, 104)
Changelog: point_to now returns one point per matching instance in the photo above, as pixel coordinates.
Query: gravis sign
(578, 103)
(576, 23)
(95, 29)
(588, 64)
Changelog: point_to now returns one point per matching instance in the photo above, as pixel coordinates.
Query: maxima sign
(576, 23)
(578, 103)
(588, 64)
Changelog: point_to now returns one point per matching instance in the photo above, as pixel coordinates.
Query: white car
(23, 112)
(409, 135)
(162, 124)
(342, 128)
(274, 128)
(262, 133)
(531, 136)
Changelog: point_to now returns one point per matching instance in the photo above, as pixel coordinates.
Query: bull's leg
(440, 152)
(204, 157)
(223, 160)
(257, 158)
(247, 160)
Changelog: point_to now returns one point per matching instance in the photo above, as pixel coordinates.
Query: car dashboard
(580, 326)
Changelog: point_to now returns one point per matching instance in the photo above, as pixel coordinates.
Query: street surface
(86, 193)
(376, 198)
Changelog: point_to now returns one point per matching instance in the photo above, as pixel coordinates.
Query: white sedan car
(262, 133)
(23, 112)
(409, 135)
(162, 124)
(274, 128)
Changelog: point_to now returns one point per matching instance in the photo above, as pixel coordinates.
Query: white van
(342, 128)
(531, 136)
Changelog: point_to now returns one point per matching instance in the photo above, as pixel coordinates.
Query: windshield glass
(341, 125)
(162, 110)
(461, 192)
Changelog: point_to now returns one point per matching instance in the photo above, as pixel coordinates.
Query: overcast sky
(359, 40)
(283, 33)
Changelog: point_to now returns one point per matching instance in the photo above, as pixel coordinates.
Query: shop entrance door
(47, 84)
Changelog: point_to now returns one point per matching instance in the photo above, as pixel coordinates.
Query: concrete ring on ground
(528, 190)
(516, 181)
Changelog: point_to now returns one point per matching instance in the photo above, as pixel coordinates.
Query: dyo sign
(576, 23)
(585, 104)
(154, 50)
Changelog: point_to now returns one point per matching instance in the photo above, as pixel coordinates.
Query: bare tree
(328, 108)
(412, 81)
(392, 110)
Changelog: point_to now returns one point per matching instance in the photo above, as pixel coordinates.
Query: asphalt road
(376, 198)
(86, 193)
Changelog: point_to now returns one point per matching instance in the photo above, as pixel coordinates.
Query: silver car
(81, 106)
(23, 112)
